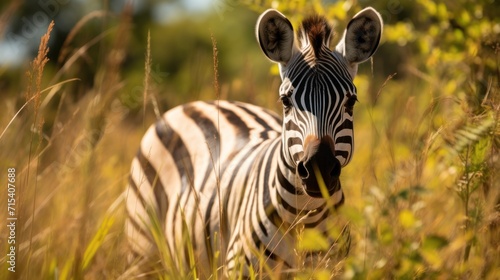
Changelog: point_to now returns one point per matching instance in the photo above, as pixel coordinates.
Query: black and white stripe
(235, 178)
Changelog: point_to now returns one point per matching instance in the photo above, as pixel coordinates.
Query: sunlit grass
(421, 191)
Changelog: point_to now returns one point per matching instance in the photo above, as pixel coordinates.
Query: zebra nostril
(335, 172)
(302, 171)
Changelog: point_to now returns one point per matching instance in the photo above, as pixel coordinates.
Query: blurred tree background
(423, 188)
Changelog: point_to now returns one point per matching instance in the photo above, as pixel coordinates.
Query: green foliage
(312, 239)
(97, 241)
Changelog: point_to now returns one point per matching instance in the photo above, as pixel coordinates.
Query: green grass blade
(97, 240)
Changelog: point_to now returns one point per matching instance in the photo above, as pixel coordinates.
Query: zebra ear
(275, 36)
(361, 37)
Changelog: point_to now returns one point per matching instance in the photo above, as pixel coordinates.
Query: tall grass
(422, 190)
(68, 181)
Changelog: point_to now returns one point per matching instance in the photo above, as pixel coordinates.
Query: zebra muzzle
(319, 168)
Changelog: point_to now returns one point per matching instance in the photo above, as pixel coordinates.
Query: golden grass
(421, 192)
(64, 186)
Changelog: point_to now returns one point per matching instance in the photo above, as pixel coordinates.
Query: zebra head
(317, 90)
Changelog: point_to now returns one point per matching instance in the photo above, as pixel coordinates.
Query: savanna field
(422, 190)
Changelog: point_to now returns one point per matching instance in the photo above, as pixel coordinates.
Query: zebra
(215, 185)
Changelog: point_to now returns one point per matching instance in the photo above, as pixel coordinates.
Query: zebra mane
(316, 30)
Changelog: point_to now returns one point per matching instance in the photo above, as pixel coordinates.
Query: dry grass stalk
(147, 75)
(33, 92)
(36, 73)
(216, 66)
(216, 166)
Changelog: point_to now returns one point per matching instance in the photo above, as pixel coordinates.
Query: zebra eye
(351, 100)
(287, 103)
(349, 104)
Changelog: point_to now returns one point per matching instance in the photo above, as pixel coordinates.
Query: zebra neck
(289, 199)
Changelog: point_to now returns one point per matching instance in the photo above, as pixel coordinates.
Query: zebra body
(235, 179)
